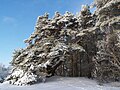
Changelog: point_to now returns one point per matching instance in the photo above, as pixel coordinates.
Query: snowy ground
(63, 83)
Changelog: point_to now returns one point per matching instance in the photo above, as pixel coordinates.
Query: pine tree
(85, 44)
(107, 61)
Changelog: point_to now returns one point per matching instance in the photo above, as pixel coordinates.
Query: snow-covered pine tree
(107, 61)
(72, 45)
(53, 41)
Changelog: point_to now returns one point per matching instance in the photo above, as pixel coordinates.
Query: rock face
(72, 45)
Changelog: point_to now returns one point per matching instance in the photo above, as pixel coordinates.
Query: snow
(23, 78)
(60, 46)
(31, 67)
(26, 79)
(18, 72)
(84, 8)
(62, 83)
(44, 64)
(42, 55)
(77, 47)
(47, 44)
(54, 53)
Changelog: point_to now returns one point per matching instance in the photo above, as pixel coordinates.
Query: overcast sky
(18, 18)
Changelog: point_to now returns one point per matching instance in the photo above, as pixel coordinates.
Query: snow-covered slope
(63, 83)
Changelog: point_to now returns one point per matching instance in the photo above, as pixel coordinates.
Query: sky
(18, 18)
